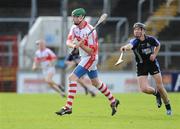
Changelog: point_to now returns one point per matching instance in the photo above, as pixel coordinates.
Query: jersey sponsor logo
(147, 51)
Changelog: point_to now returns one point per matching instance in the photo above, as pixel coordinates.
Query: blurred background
(22, 22)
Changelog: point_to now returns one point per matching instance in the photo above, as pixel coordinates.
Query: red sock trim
(69, 103)
(71, 97)
(72, 91)
(104, 90)
(101, 87)
(111, 98)
(73, 85)
(107, 94)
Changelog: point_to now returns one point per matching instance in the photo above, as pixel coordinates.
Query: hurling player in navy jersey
(146, 49)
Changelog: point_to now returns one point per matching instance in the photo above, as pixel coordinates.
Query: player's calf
(158, 98)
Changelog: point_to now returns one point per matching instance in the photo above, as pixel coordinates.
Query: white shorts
(89, 62)
(48, 70)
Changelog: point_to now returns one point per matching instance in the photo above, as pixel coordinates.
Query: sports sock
(71, 93)
(104, 90)
(168, 106)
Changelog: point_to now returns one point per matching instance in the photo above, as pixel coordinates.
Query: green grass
(36, 111)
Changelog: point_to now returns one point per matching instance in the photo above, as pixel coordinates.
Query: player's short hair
(139, 25)
(79, 12)
(37, 42)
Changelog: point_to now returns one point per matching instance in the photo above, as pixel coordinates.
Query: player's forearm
(87, 49)
(128, 46)
(34, 67)
(70, 44)
(84, 47)
(156, 50)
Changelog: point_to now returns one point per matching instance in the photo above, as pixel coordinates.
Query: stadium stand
(173, 27)
(154, 27)
(128, 9)
(8, 63)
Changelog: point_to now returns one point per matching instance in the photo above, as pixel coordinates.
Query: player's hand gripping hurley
(102, 18)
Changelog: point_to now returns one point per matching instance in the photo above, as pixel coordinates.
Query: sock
(71, 93)
(104, 90)
(168, 106)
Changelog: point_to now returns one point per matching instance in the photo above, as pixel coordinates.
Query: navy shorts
(148, 68)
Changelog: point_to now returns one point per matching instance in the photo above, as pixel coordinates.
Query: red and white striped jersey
(92, 40)
(44, 57)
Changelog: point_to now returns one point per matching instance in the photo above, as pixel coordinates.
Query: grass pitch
(136, 111)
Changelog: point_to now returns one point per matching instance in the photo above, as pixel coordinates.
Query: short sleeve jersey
(79, 34)
(44, 57)
(143, 49)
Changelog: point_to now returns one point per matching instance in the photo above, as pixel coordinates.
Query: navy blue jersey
(143, 49)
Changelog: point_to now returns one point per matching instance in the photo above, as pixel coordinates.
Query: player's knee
(95, 83)
(47, 80)
(72, 77)
(144, 89)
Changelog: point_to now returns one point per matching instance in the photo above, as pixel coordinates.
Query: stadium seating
(173, 27)
(8, 63)
(128, 9)
(155, 27)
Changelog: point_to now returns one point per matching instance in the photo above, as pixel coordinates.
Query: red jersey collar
(84, 25)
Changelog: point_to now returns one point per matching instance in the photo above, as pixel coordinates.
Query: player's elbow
(158, 47)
